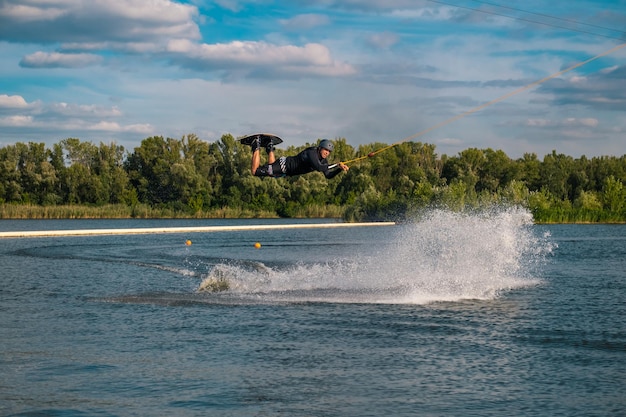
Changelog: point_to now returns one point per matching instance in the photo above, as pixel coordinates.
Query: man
(309, 160)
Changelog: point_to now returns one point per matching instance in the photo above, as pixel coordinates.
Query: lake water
(449, 315)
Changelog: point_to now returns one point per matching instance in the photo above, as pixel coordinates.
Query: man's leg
(270, 153)
(256, 159)
(256, 154)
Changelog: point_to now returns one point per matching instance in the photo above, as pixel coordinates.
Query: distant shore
(141, 211)
(120, 211)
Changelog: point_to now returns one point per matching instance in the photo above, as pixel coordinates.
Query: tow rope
(482, 106)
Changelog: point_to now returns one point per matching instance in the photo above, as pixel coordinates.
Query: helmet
(326, 144)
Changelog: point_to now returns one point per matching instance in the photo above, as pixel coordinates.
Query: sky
(368, 71)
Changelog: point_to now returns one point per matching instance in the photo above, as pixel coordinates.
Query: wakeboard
(265, 138)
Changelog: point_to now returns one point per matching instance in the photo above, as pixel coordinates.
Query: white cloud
(153, 27)
(310, 59)
(609, 69)
(254, 53)
(537, 122)
(15, 102)
(74, 127)
(383, 40)
(450, 141)
(145, 129)
(567, 122)
(376, 70)
(47, 22)
(59, 60)
(28, 13)
(122, 46)
(607, 100)
(104, 126)
(304, 22)
(586, 122)
(232, 5)
(430, 13)
(70, 118)
(16, 121)
(91, 110)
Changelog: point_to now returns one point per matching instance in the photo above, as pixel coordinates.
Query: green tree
(199, 165)
(233, 163)
(353, 185)
(496, 172)
(614, 195)
(465, 168)
(109, 169)
(515, 192)
(81, 180)
(530, 171)
(10, 181)
(343, 151)
(191, 175)
(153, 168)
(555, 171)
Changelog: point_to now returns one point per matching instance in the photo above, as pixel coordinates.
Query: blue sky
(366, 70)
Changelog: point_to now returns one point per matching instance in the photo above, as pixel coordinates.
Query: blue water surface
(449, 316)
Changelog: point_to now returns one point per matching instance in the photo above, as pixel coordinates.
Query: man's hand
(343, 166)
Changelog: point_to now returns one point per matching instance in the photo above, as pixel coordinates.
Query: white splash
(443, 256)
(453, 256)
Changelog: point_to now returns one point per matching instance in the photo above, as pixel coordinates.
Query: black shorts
(271, 170)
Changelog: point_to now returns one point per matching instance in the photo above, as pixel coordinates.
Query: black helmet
(326, 144)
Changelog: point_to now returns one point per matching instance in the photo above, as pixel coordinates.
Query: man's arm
(313, 159)
(334, 170)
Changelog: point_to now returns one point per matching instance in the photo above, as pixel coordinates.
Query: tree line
(193, 177)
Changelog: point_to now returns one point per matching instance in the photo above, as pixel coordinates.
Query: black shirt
(310, 160)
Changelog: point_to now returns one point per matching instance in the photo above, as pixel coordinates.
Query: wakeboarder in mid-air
(309, 160)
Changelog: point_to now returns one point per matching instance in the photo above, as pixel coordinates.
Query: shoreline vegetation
(120, 211)
(142, 211)
(189, 178)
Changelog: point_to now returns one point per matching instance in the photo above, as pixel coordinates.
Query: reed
(71, 211)
(143, 211)
(560, 215)
(318, 211)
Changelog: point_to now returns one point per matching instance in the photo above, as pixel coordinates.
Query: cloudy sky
(367, 70)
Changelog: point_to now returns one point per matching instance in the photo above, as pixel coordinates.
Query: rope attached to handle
(489, 103)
